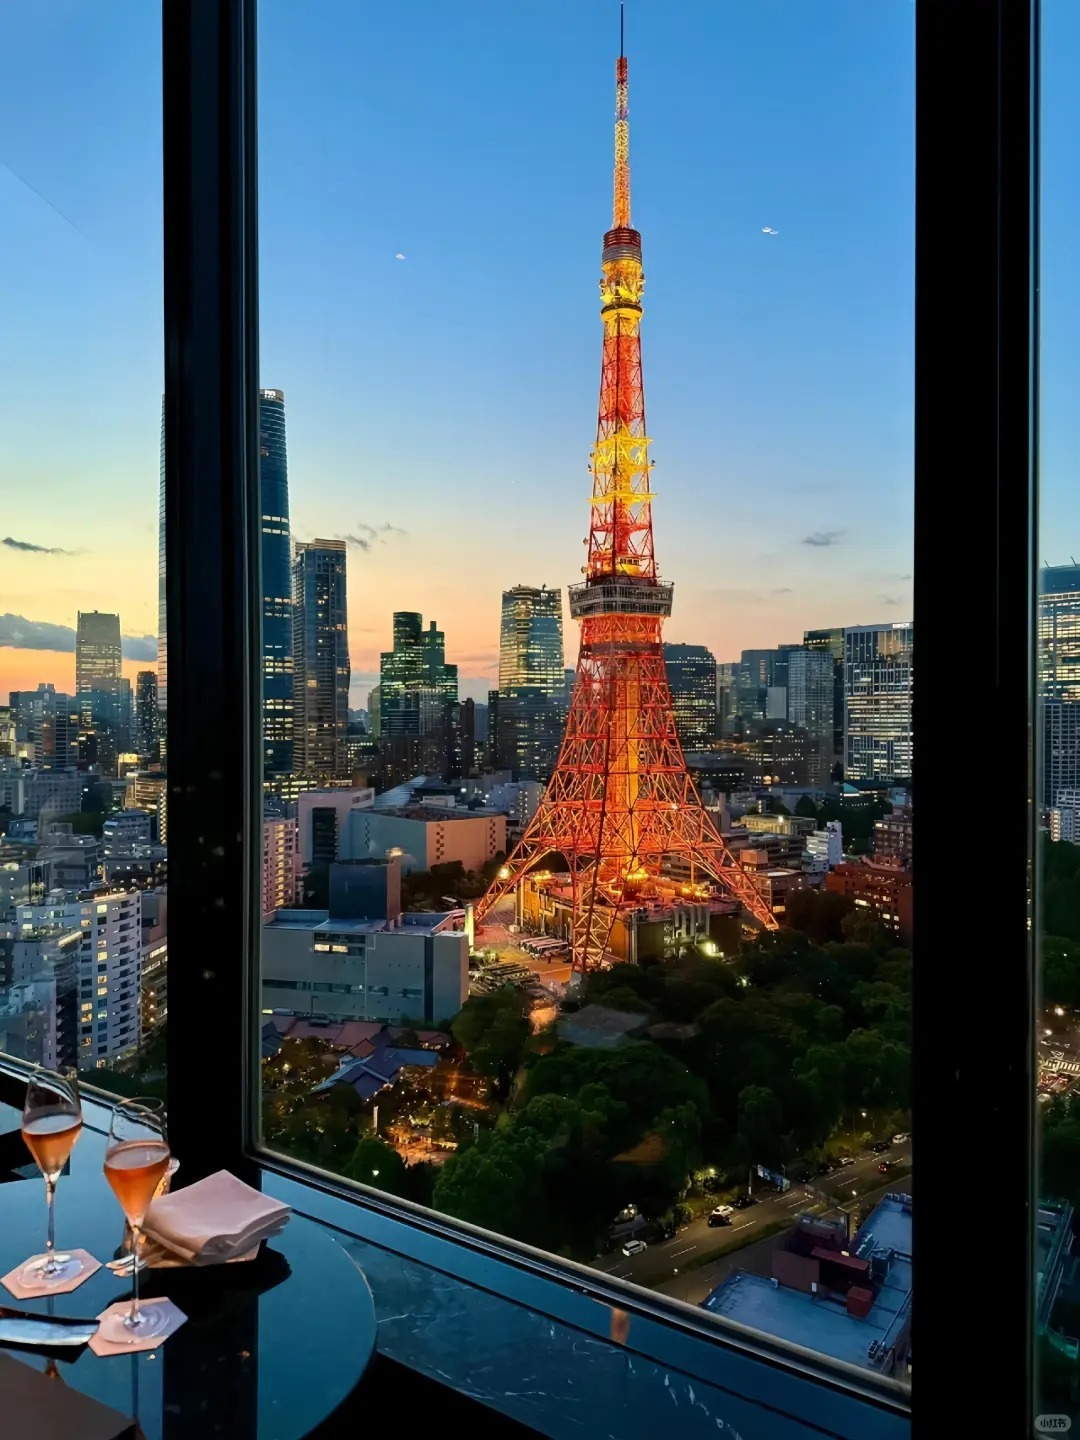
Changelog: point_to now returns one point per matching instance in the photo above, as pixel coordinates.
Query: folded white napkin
(214, 1220)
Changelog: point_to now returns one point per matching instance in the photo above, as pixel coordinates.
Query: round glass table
(270, 1347)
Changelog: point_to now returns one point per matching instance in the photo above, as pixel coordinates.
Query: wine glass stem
(50, 1243)
(134, 1316)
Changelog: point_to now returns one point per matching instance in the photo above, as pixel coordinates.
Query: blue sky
(452, 394)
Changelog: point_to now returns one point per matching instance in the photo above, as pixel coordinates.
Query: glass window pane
(83, 828)
(1057, 1300)
(587, 849)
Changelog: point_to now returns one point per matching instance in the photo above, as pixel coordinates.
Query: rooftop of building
(822, 1321)
(436, 814)
(819, 1322)
(415, 922)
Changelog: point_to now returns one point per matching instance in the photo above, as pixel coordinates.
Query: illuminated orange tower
(621, 802)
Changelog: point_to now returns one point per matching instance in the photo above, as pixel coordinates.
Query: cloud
(365, 536)
(30, 549)
(400, 256)
(781, 590)
(139, 647)
(768, 230)
(822, 538)
(18, 633)
(21, 634)
(888, 600)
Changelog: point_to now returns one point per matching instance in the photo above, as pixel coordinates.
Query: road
(662, 1262)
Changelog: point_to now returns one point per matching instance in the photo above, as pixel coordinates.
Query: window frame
(975, 146)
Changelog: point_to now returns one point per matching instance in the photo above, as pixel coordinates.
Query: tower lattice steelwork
(621, 801)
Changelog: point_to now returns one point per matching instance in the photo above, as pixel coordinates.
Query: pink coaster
(162, 1319)
(60, 1286)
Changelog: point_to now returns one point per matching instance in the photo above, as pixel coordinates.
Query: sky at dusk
(435, 182)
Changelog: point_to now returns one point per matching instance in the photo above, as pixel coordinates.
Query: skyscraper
(727, 681)
(102, 695)
(277, 589)
(50, 721)
(415, 682)
(320, 647)
(147, 713)
(1058, 657)
(163, 628)
(97, 666)
(759, 672)
(877, 701)
(810, 707)
(1059, 632)
(1060, 749)
(831, 642)
(532, 681)
(691, 673)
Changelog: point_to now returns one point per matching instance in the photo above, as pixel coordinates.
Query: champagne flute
(51, 1123)
(136, 1161)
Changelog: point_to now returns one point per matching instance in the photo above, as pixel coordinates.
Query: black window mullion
(973, 701)
(211, 460)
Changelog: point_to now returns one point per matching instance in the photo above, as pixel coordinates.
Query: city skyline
(810, 391)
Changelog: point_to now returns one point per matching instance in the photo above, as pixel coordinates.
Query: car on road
(825, 1167)
(880, 1146)
(745, 1201)
(901, 1138)
(847, 1160)
(634, 1247)
(720, 1216)
(886, 1166)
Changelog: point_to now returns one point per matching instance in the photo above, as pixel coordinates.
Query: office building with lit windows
(691, 672)
(877, 701)
(1059, 632)
(532, 682)
(321, 669)
(277, 591)
(415, 682)
(49, 721)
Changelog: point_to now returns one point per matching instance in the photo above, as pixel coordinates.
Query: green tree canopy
(493, 1030)
(374, 1162)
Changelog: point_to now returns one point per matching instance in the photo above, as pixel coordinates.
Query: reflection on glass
(51, 1124)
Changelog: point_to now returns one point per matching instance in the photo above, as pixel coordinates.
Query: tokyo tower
(620, 806)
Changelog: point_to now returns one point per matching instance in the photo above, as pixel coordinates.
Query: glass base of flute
(136, 1163)
(51, 1124)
